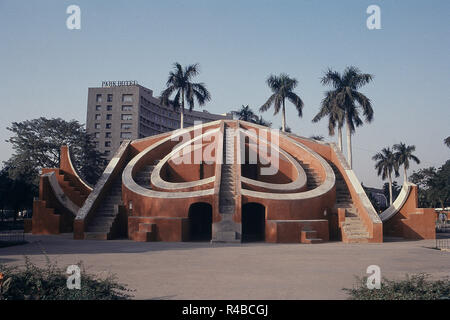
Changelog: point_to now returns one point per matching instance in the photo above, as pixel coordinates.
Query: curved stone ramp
(160, 183)
(129, 174)
(325, 187)
(53, 212)
(398, 203)
(296, 185)
(68, 167)
(66, 191)
(100, 215)
(404, 219)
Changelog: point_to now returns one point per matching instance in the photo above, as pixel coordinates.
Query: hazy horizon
(47, 68)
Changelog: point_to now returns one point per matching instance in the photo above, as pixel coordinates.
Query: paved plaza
(200, 270)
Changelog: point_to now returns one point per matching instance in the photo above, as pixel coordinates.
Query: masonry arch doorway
(253, 222)
(200, 221)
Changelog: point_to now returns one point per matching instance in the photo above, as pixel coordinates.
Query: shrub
(414, 287)
(32, 282)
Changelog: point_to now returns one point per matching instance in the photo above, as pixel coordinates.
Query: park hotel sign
(107, 84)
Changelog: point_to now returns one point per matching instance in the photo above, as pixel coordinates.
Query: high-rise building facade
(121, 110)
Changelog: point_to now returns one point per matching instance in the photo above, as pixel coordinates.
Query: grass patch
(414, 287)
(31, 282)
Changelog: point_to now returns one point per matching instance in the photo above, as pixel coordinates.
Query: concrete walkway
(186, 270)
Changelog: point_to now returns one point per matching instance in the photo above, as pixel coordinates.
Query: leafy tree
(395, 190)
(345, 94)
(329, 107)
(36, 144)
(282, 87)
(447, 141)
(15, 194)
(179, 81)
(434, 185)
(403, 154)
(386, 164)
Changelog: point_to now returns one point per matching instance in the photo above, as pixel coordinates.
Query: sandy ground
(187, 270)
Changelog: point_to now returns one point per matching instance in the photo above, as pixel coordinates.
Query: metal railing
(12, 236)
(443, 226)
(443, 244)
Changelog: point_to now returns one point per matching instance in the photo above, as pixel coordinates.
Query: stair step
(96, 236)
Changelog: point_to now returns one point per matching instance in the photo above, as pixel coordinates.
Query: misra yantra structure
(227, 181)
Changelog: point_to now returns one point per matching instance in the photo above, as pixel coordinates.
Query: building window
(109, 117)
(126, 126)
(107, 143)
(127, 117)
(97, 135)
(107, 153)
(108, 126)
(97, 126)
(98, 98)
(109, 98)
(96, 144)
(98, 108)
(108, 108)
(125, 135)
(127, 108)
(98, 116)
(127, 98)
(108, 135)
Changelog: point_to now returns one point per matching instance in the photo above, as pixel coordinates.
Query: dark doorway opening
(253, 222)
(200, 222)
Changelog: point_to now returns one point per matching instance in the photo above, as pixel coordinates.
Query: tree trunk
(406, 175)
(340, 138)
(283, 120)
(390, 189)
(349, 146)
(182, 110)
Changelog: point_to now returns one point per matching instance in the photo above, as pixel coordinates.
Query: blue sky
(46, 68)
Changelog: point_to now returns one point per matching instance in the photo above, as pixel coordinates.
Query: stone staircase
(145, 233)
(143, 177)
(310, 237)
(227, 180)
(70, 187)
(227, 194)
(103, 218)
(312, 178)
(352, 228)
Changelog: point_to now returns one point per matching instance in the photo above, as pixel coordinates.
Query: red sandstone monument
(163, 188)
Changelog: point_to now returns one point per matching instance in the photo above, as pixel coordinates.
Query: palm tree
(179, 81)
(447, 141)
(330, 108)
(282, 87)
(245, 113)
(349, 99)
(263, 122)
(403, 155)
(317, 137)
(386, 164)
